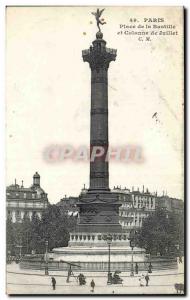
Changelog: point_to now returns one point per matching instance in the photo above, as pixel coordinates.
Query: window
(33, 196)
(27, 214)
(18, 215)
(25, 195)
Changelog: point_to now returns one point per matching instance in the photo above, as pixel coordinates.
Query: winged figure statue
(97, 15)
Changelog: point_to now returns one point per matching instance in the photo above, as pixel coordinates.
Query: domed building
(22, 201)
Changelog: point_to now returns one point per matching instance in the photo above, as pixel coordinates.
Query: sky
(48, 97)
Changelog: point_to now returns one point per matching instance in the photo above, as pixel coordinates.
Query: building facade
(22, 201)
(136, 205)
(174, 205)
(69, 205)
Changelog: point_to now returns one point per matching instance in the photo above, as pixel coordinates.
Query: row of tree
(161, 232)
(30, 235)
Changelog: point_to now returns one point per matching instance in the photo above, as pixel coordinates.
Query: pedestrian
(92, 284)
(136, 268)
(180, 259)
(150, 268)
(141, 280)
(53, 281)
(147, 278)
(82, 279)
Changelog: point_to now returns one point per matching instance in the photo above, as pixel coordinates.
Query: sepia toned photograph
(95, 150)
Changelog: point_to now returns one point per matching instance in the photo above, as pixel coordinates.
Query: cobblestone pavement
(35, 282)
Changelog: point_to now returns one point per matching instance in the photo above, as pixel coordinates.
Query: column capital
(99, 56)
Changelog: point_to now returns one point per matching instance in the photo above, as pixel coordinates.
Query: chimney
(22, 184)
(143, 188)
(36, 179)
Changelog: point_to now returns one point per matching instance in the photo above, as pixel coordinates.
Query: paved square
(35, 282)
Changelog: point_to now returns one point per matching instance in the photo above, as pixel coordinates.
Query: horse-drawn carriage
(116, 279)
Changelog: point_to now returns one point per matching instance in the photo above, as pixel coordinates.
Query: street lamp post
(109, 240)
(27, 242)
(46, 258)
(132, 266)
(20, 248)
(132, 245)
(20, 251)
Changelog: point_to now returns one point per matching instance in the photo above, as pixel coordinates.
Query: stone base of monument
(96, 258)
(90, 251)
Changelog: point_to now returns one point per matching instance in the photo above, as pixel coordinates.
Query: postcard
(95, 150)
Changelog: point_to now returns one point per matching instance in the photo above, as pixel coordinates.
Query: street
(35, 282)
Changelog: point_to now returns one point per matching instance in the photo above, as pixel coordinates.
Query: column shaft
(99, 128)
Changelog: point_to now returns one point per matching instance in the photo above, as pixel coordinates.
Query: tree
(10, 237)
(26, 234)
(53, 226)
(159, 233)
(34, 233)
